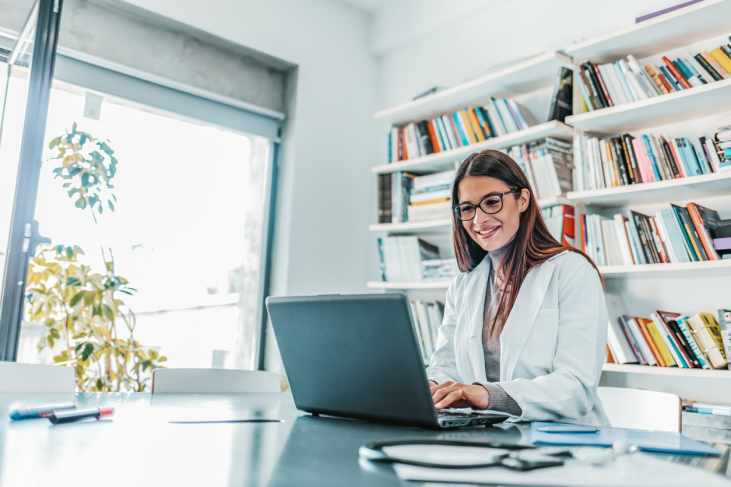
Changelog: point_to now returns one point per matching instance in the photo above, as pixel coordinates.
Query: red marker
(59, 417)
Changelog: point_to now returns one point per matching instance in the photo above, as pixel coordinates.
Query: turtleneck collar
(496, 255)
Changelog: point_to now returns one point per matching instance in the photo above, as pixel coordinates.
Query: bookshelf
(667, 371)
(680, 28)
(529, 75)
(436, 226)
(445, 160)
(445, 225)
(408, 285)
(644, 287)
(674, 107)
(710, 268)
(706, 185)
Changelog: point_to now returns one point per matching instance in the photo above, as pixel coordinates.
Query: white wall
(327, 194)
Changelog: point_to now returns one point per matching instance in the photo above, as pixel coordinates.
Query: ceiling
(368, 5)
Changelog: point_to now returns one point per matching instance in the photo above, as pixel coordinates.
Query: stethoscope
(517, 457)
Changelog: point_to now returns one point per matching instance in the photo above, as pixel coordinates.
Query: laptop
(357, 356)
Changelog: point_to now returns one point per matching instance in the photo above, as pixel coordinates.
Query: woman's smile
(487, 232)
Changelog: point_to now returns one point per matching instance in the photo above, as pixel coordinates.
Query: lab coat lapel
(522, 317)
(475, 316)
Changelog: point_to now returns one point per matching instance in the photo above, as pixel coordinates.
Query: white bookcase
(686, 288)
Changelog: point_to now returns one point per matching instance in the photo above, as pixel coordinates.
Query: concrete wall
(327, 194)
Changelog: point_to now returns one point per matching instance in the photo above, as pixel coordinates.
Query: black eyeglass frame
(479, 205)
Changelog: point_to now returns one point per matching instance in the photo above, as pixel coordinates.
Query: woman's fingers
(441, 386)
(440, 392)
(449, 399)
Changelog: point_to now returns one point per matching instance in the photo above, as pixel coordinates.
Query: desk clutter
(60, 413)
(691, 233)
(610, 456)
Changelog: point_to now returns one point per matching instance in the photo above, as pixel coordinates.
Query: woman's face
(492, 231)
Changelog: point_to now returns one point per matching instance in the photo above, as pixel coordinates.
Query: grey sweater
(499, 399)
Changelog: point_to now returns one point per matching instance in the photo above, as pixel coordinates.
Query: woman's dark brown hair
(533, 243)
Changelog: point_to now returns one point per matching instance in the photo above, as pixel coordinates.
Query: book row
(621, 82)
(548, 164)
(427, 320)
(625, 160)
(668, 339)
(464, 127)
(689, 233)
(410, 259)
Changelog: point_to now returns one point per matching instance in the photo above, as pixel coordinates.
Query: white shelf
(556, 200)
(445, 160)
(704, 186)
(444, 225)
(710, 268)
(407, 285)
(671, 371)
(696, 102)
(523, 77)
(682, 27)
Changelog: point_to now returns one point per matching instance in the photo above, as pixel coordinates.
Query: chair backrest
(15, 377)
(213, 381)
(638, 409)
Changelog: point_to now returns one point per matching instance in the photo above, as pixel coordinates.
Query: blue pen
(40, 412)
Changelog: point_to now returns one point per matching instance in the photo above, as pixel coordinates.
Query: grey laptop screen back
(354, 356)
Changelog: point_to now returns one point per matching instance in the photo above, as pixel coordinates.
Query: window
(186, 230)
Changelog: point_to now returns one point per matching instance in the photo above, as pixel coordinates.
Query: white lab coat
(552, 346)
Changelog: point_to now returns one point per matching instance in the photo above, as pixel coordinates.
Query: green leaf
(111, 205)
(66, 185)
(73, 281)
(108, 312)
(77, 297)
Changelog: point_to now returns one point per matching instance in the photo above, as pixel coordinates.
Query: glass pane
(185, 232)
(14, 75)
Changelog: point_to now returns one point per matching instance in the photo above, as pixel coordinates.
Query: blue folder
(655, 441)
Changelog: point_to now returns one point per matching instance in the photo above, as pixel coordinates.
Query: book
(705, 337)
(661, 346)
(616, 337)
(669, 320)
(721, 58)
(690, 338)
(704, 219)
(639, 353)
(664, 11)
(724, 321)
(651, 344)
(707, 66)
(562, 99)
(668, 337)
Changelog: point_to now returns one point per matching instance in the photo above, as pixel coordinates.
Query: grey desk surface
(139, 445)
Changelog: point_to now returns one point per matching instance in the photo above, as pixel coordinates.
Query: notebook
(655, 441)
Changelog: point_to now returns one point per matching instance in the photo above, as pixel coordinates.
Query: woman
(525, 324)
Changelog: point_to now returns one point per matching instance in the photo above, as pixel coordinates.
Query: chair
(213, 381)
(638, 409)
(15, 377)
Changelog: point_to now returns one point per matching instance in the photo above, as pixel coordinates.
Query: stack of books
(464, 127)
(621, 82)
(427, 320)
(548, 164)
(624, 160)
(680, 234)
(403, 259)
(560, 222)
(430, 197)
(667, 340)
(406, 197)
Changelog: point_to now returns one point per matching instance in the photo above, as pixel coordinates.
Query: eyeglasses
(489, 205)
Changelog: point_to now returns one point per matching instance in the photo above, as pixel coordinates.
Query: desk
(139, 447)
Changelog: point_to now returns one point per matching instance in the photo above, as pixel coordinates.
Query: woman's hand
(458, 395)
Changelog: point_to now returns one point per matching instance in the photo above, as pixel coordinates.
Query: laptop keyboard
(448, 414)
